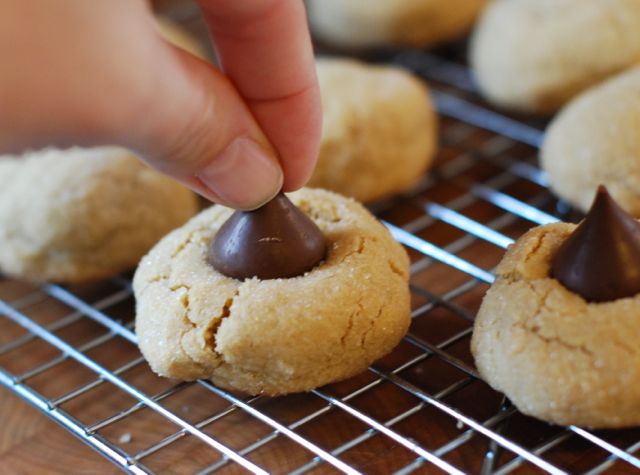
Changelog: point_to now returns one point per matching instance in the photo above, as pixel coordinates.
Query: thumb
(196, 128)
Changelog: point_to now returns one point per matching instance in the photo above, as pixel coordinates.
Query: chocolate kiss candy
(600, 260)
(274, 241)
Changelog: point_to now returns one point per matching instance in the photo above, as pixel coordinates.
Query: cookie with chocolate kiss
(558, 330)
(301, 293)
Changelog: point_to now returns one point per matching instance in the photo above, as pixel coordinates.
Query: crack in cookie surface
(189, 325)
(372, 325)
(350, 319)
(213, 327)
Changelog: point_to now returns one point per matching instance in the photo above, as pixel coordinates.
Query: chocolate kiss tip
(603, 194)
(600, 260)
(274, 241)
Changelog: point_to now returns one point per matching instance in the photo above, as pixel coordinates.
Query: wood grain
(30, 444)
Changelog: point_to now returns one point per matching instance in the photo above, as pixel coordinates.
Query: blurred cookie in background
(593, 141)
(81, 214)
(379, 129)
(84, 214)
(360, 24)
(535, 55)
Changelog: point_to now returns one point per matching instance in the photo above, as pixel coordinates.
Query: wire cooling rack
(71, 352)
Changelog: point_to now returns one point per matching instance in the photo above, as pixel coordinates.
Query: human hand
(90, 73)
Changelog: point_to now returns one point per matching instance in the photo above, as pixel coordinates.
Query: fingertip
(244, 176)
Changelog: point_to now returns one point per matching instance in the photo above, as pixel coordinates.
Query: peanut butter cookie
(274, 336)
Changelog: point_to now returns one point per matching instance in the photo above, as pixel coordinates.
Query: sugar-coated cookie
(535, 55)
(594, 141)
(356, 24)
(274, 336)
(83, 214)
(556, 356)
(379, 129)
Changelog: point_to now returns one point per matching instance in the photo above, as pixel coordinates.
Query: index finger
(265, 48)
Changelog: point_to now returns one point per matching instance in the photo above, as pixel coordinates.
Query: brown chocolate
(274, 241)
(600, 260)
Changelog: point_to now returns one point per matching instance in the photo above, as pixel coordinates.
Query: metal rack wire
(419, 409)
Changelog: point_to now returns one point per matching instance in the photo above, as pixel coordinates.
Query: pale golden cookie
(83, 214)
(355, 24)
(274, 336)
(556, 356)
(594, 141)
(535, 55)
(379, 129)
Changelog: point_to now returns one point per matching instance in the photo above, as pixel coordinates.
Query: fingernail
(244, 175)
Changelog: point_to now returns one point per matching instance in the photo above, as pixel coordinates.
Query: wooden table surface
(33, 444)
